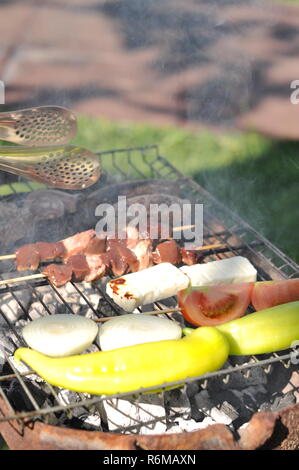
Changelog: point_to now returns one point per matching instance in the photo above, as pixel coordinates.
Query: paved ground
(216, 63)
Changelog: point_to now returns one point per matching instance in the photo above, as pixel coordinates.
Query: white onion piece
(136, 328)
(60, 335)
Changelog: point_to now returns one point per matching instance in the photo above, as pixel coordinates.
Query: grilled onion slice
(60, 335)
(136, 328)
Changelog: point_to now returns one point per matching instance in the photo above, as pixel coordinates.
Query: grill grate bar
(269, 260)
(23, 385)
(201, 379)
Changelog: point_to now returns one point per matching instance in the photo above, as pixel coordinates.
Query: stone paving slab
(221, 64)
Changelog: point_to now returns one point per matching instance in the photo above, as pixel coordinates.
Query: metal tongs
(43, 156)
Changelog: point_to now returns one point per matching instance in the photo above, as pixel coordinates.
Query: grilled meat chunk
(79, 266)
(95, 246)
(49, 251)
(27, 257)
(190, 257)
(167, 252)
(78, 243)
(143, 253)
(58, 274)
(97, 267)
(121, 259)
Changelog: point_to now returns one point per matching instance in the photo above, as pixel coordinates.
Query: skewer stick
(3, 257)
(200, 248)
(22, 278)
(182, 227)
(154, 312)
(213, 246)
(216, 246)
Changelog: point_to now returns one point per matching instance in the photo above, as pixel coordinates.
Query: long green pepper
(133, 367)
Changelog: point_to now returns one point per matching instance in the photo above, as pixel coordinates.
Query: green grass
(255, 176)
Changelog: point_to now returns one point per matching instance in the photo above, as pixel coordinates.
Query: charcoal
(9, 340)
(91, 422)
(65, 397)
(14, 307)
(204, 400)
(193, 407)
(38, 310)
(229, 411)
(21, 367)
(87, 422)
(105, 308)
(189, 425)
(252, 396)
(145, 415)
(176, 404)
(239, 380)
(280, 402)
(200, 403)
(279, 377)
(242, 403)
(20, 400)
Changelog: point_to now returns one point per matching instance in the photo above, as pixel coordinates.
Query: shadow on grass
(264, 191)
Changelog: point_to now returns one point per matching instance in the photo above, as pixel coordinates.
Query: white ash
(182, 425)
(145, 415)
(279, 402)
(231, 402)
(178, 411)
(92, 422)
(14, 306)
(24, 369)
(37, 310)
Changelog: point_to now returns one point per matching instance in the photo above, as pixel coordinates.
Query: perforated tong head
(40, 126)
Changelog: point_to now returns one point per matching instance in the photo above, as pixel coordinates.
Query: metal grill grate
(222, 226)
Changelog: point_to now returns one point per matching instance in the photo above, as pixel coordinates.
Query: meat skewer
(59, 276)
(28, 257)
(74, 245)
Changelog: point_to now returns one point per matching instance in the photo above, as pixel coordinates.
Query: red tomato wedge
(214, 305)
(268, 294)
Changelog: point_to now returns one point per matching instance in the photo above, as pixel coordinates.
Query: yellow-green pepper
(133, 367)
(265, 331)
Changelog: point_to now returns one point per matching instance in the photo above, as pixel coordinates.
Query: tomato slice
(268, 294)
(214, 305)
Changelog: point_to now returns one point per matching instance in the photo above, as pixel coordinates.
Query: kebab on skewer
(88, 257)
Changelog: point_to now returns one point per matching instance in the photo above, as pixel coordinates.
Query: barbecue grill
(199, 413)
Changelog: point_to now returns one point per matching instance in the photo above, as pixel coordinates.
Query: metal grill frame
(270, 262)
